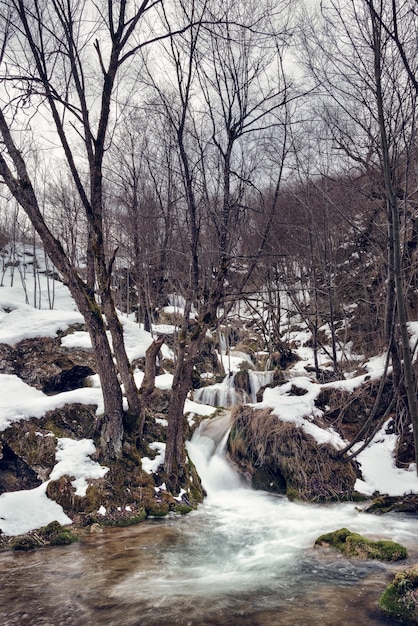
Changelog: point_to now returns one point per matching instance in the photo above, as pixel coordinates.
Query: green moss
(358, 497)
(292, 494)
(157, 509)
(57, 535)
(400, 599)
(24, 543)
(384, 504)
(51, 535)
(182, 509)
(126, 521)
(53, 428)
(353, 544)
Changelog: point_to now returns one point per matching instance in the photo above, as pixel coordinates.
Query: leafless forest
(257, 154)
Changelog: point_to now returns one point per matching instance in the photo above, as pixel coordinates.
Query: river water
(244, 558)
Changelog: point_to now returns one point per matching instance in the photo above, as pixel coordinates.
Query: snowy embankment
(26, 510)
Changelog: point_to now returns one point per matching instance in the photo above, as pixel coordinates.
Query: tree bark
(148, 382)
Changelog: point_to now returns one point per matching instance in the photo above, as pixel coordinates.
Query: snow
(136, 339)
(378, 468)
(27, 323)
(74, 460)
(152, 465)
(300, 410)
(23, 511)
(376, 461)
(233, 360)
(20, 401)
(197, 408)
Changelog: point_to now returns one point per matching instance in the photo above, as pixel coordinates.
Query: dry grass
(282, 457)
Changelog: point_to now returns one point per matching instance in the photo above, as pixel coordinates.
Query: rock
(400, 598)
(15, 473)
(63, 492)
(399, 504)
(51, 535)
(348, 411)
(242, 381)
(355, 545)
(46, 365)
(72, 420)
(96, 528)
(27, 444)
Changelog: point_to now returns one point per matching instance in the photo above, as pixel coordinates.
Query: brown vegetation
(281, 457)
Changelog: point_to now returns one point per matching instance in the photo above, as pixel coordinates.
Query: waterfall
(243, 557)
(225, 394)
(207, 449)
(221, 394)
(258, 380)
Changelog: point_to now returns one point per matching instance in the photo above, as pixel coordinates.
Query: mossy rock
(355, 545)
(51, 535)
(121, 518)
(24, 543)
(400, 598)
(57, 535)
(400, 504)
(182, 509)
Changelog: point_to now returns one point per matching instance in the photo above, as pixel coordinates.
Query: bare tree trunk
(148, 382)
(111, 426)
(408, 371)
(175, 456)
(124, 366)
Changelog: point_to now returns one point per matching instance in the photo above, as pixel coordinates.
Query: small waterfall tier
(207, 449)
(229, 393)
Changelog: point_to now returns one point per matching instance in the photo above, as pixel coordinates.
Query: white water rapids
(243, 558)
(246, 548)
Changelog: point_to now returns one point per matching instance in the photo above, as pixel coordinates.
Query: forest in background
(217, 155)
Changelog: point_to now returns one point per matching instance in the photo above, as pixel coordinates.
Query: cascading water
(244, 557)
(257, 381)
(226, 394)
(247, 550)
(221, 394)
(207, 450)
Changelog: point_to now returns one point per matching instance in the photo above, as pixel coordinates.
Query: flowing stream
(244, 558)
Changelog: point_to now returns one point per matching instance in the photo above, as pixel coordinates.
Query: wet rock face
(46, 365)
(15, 474)
(27, 455)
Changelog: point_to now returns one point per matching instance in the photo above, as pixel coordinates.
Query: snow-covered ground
(26, 510)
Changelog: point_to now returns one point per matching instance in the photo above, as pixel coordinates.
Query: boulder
(355, 545)
(46, 365)
(399, 504)
(400, 598)
(27, 455)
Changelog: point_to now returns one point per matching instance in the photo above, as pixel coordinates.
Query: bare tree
(370, 110)
(143, 192)
(224, 94)
(52, 61)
